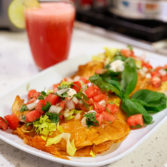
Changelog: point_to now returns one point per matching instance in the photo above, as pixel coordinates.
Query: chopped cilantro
(81, 96)
(91, 119)
(46, 107)
(165, 69)
(43, 93)
(23, 108)
(54, 117)
(40, 97)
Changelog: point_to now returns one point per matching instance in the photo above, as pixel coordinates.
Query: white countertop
(16, 65)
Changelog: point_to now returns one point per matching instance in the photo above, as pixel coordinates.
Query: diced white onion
(92, 111)
(70, 104)
(66, 113)
(102, 103)
(78, 116)
(75, 100)
(145, 69)
(71, 92)
(117, 66)
(89, 84)
(55, 109)
(83, 121)
(162, 72)
(32, 106)
(148, 75)
(61, 91)
(142, 73)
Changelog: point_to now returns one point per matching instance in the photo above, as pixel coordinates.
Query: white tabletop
(16, 65)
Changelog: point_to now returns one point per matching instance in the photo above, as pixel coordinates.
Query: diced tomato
(90, 101)
(155, 73)
(77, 86)
(135, 120)
(3, 124)
(13, 121)
(99, 97)
(112, 108)
(33, 94)
(52, 99)
(108, 117)
(156, 82)
(147, 65)
(99, 118)
(62, 104)
(33, 116)
(99, 71)
(127, 53)
(92, 91)
(61, 117)
(84, 80)
(55, 87)
(99, 108)
(39, 106)
(164, 78)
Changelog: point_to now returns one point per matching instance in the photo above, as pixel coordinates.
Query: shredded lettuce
(70, 146)
(45, 127)
(92, 154)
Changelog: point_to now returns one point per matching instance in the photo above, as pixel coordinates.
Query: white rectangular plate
(54, 75)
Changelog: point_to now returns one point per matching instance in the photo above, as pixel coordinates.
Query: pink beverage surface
(49, 30)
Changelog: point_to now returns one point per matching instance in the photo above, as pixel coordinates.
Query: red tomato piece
(147, 65)
(33, 116)
(108, 117)
(155, 73)
(99, 118)
(90, 101)
(113, 108)
(13, 121)
(52, 99)
(99, 97)
(39, 106)
(33, 94)
(62, 104)
(55, 87)
(84, 80)
(164, 78)
(127, 53)
(135, 120)
(92, 91)
(99, 108)
(77, 86)
(3, 124)
(156, 82)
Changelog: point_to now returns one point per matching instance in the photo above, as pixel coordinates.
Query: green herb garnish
(91, 119)
(23, 108)
(46, 107)
(54, 117)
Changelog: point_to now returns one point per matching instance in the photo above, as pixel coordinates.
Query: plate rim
(71, 162)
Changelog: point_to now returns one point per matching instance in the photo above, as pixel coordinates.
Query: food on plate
(93, 110)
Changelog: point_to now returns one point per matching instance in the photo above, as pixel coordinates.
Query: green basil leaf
(152, 101)
(129, 77)
(132, 107)
(113, 86)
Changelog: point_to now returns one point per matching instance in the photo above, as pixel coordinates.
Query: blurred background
(142, 23)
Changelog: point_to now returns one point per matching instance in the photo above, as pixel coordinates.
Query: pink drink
(49, 30)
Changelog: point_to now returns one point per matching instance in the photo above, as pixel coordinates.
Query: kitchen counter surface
(16, 66)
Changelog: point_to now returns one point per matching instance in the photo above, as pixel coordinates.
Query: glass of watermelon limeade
(49, 30)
